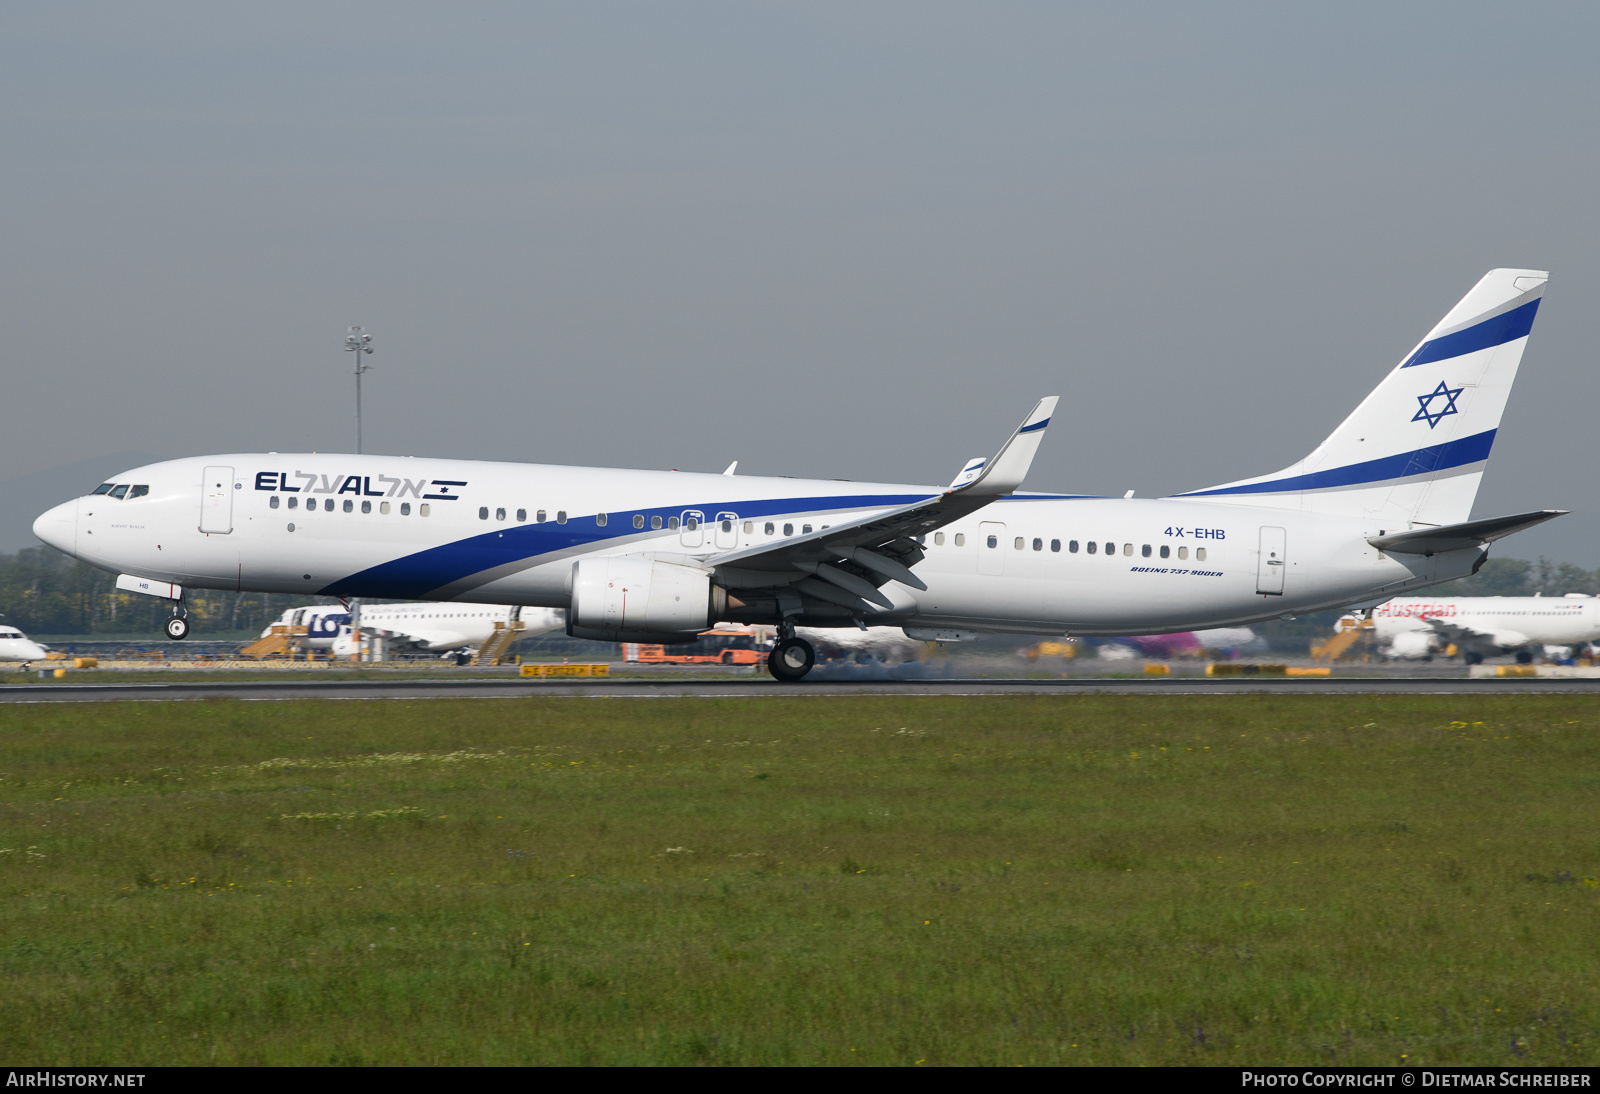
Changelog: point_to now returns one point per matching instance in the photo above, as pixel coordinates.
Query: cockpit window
(138, 491)
(120, 492)
(104, 488)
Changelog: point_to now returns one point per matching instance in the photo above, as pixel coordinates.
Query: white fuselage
(16, 646)
(1507, 622)
(471, 532)
(438, 625)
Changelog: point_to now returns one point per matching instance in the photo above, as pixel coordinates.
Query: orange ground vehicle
(718, 646)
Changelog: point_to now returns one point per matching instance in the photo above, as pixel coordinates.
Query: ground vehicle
(718, 646)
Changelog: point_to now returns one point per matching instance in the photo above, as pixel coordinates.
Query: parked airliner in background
(16, 646)
(435, 627)
(1378, 508)
(1484, 626)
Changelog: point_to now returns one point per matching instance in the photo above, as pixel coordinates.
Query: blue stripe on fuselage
(1497, 331)
(1423, 461)
(414, 576)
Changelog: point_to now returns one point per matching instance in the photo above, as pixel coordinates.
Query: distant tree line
(43, 591)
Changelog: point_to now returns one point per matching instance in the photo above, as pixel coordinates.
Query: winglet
(969, 472)
(1009, 467)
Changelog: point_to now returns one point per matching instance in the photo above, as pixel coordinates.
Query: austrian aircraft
(1485, 626)
(1380, 507)
(431, 627)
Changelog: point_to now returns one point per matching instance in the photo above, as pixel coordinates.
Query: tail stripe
(1494, 331)
(1422, 461)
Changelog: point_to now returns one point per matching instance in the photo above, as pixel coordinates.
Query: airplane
(16, 646)
(434, 627)
(1486, 626)
(1381, 507)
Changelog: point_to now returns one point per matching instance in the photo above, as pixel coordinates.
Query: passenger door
(1272, 563)
(216, 500)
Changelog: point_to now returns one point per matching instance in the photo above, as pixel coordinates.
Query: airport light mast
(358, 342)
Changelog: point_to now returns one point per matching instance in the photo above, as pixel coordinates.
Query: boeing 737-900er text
(1379, 508)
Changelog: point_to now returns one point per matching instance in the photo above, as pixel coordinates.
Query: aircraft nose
(59, 527)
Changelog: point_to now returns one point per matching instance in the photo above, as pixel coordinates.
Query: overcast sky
(844, 240)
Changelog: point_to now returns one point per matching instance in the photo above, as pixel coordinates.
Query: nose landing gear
(177, 626)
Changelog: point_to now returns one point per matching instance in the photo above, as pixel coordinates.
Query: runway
(758, 688)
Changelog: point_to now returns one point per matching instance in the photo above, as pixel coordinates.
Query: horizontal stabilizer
(1460, 537)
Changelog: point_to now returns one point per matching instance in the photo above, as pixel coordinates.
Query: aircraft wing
(845, 563)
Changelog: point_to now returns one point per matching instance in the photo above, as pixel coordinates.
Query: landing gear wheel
(1472, 658)
(1524, 657)
(177, 628)
(790, 660)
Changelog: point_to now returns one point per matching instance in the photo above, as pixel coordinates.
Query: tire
(1524, 657)
(1472, 658)
(177, 628)
(790, 660)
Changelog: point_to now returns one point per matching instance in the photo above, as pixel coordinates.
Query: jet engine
(637, 600)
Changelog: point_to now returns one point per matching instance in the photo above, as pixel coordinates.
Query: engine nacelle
(636, 600)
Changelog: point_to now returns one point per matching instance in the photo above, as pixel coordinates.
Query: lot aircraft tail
(1414, 451)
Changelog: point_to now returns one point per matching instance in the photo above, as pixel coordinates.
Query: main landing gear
(177, 626)
(791, 658)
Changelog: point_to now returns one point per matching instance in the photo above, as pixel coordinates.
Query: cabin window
(768, 528)
(294, 502)
(103, 488)
(383, 508)
(691, 523)
(1166, 552)
(1183, 552)
(655, 522)
(1144, 551)
(522, 516)
(961, 539)
(405, 508)
(1018, 542)
(120, 492)
(327, 505)
(938, 539)
(672, 523)
(1093, 546)
(727, 526)
(349, 506)
(993, 542)
(483, 512)
(1127, 548)
(272, 502)
(561, 516)
(788, 529)
(1055, 545)
(1038, 545)
(638, 520)
(1111, 548)
(499, 514)
(138, 492)
(600, 520)
(366, 507)
(749, 527)
(1200, 554)
(424, 509)
(1072, 546)
(805, 529)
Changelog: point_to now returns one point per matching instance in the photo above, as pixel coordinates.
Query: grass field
(1005, 880)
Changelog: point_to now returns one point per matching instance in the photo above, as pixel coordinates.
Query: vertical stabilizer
(1414, 451)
